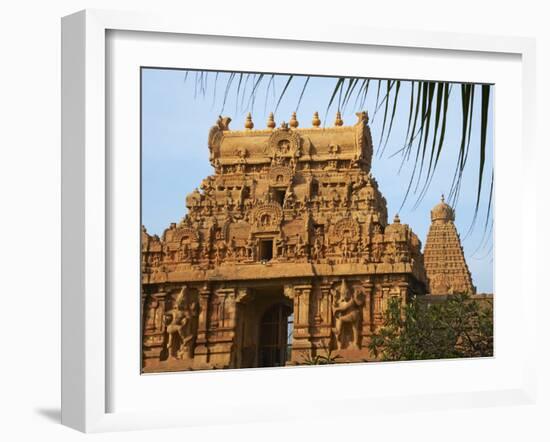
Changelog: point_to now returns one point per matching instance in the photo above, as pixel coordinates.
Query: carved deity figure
(300, 250)
(347, 311)
(290, 199)
(250, 248)
(346, 247)
(181, 326)
(219, 252)
(280, 246)
(318, 247)
(231, 248)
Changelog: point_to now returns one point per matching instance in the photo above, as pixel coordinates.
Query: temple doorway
(275, 335)
(265, 327)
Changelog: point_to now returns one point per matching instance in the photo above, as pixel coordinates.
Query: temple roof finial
(271, 121)
(442, 212)
(248, 124)
(338, 121)
(293, 121)
(316, 120)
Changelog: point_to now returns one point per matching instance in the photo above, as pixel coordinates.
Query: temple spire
(444, 260)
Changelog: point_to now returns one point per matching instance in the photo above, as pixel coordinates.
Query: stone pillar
(301, 338)
(245, 349)
(323, 315)
(154, 307)
(201, 344)
(368, 308)
(403, 288)
(221, 343)
(380, 304)
(368, 325)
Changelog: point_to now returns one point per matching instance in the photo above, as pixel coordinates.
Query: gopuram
(444, 260)
(285, 253)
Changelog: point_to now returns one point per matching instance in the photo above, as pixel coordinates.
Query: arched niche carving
(283, 142)
(279, 176)
(267, 217)
(345, 228)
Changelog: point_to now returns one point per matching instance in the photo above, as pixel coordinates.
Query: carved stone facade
(444, 260)
(285, 251)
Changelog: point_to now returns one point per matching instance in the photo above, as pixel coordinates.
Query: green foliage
(318, 359)
(457, 327)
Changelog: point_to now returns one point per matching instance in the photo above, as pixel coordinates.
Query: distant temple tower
(446, 267)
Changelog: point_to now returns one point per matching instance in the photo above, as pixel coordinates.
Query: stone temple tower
(446, 267)
(285, 251)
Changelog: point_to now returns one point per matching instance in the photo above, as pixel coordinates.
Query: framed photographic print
(271, 213)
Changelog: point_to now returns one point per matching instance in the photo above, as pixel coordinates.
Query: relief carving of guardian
(347, 312)
(181, 326)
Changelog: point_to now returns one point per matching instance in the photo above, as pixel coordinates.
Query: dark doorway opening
(276, 329)
(266, 249)
(279, 196)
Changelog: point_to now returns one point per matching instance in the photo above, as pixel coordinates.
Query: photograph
(297, 220)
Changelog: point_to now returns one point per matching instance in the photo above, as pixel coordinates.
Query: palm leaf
(485, 95)
(387, 100)
(302, 93)
(429, 173)
(349, 92)
(227, 89)
(290, 77)
(337, 87)
(398, 86)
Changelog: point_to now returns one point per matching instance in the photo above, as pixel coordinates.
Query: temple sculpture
(285, 252)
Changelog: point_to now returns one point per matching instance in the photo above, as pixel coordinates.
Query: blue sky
(178, 111)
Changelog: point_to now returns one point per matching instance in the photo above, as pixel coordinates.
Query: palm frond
(290, 77)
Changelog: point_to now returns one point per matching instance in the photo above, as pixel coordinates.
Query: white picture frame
(86, 207)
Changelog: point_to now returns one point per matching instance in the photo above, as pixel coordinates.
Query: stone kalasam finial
(338, 121)
(248, 124)
(293, 121)
(271, 121)
(396, 219)
(442, 212)
(316, 120)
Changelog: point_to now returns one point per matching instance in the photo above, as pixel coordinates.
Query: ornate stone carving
(345, 228)
(181, 326)
(267, 217)
(347, 311)
(279, 176)
(283, 142)
(153, 320)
